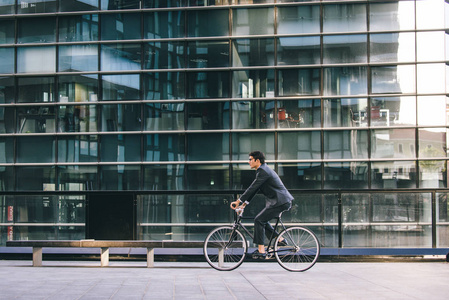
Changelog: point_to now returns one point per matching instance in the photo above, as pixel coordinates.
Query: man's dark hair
(257, 155)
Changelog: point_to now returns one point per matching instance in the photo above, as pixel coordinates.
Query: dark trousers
(261, 224)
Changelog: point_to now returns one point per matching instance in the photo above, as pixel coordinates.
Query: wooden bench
(104, 246)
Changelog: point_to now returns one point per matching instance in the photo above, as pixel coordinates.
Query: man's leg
(261, 222)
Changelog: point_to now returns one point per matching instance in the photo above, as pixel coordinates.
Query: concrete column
(150, 257)
(104, 257)
(37, 256)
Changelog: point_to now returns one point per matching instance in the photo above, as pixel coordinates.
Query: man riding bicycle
(278, 199)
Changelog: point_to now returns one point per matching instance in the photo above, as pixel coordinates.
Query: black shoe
(283, 243)
(259, 256)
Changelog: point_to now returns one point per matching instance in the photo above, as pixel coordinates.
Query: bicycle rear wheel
(302, 249)
(225, 248)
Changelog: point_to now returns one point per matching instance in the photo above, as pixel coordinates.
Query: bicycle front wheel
(225, 248)
(299, 251)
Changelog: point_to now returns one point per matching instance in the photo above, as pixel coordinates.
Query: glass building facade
(134, 119)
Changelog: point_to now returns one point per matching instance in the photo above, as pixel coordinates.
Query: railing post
(340, 220)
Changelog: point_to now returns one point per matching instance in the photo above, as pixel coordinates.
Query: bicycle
(225, 247)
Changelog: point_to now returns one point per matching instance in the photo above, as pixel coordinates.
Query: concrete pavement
(196, 280)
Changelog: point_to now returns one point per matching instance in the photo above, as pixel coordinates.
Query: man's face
(254, 164)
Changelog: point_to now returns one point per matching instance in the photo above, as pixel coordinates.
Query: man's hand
(235, 204)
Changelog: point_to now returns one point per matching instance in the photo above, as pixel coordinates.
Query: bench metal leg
(37, 256)
(150, 257)
(104, 257)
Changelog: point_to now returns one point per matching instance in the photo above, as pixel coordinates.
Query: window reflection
(198, 23)
(7, 7)
(253, 83)
(120, 177)
(36, 6)
(164, 177)
(35, 178)
(252, 114)
(74, 118)
(208, 115)
(6, 151)
(6, 60)
(78, 28)
(36, 119)
(345, 49)
(82, 88)
(299, 145)
(120, 57)
(345, 81)
(78, 5)
(164, 147)
(121, 117)
(393, 111)
(36, 59)
(121, 87)
(253, 52)
(351, 175)
(120, 148)
(164, 116)
(208, 54)
(164, 85)
(36, 30)
(344, 17)
(120, 4)
(431, 78)
(78, 58)
(432, 110)
(244, 142)
(255, 21)
(432, 174)
(393, 143)
(7, 119)
(392, 47)
(208, 146)
(392, 16)
(161, 55)
(393, 79)
(346, 144)
(122, 26)
(430, 46)
(78, 148)
(299, 19)
(207, 177)
(7, 89)
(393, 174)
(36, 89)
(300, 175)
(7, 30)
(299, 113)
(166, 3)
(164, 24)
(346, 112)
(35, 149)
(294, 82)
(298, 50)
(432, 142)
(208, 84)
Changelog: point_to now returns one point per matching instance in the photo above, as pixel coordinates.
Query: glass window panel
(164, 24)
(393, 174)
(208, 84)
(7, 30)
(393, 111)
(208, 115)
(345, 49)
(345, 81)
(431, 78)
(300, 175)
(346, 144)
(78, 5)
(72, 209)
(36, 59)
(124, 26)
(120, 148)
(299, 113)
(36, 178)
(164, 177)
(298, 50)
(161, 55)
(298, 19)
(36, 6)
(217, 148)
(245, 142)
(344, 18)
(430, 46)
(430, 14)
(6, 151)
(36, 119)
(252, 52)
(243, 176)
(252, 114)
(299, 145)
(81, 28)
(207, 177)
(208, 54)
(164, 147)
(254, 21)
(346, 112)
(392, 16)
(306, 208)
(35, 209)
(295, 82)
(121, 117)
(36, 89)
(432, 142)
(121, 87)
(163, 4)
(392, 47)
(442, 213)
(36, 30)
(393, 143)
(432, 110)
(7, 7)
(164, 116)
(6, 60)
(78, 88)
(7, 89)
(349, 175)
(119, 4)
(78, 58)
(199, 21)
(7, 119)
(121, 57)
(7, 179)
(78, 148)
(393, 79)
(164, 85)
(35, 149)
(121, 177)
(432, 174)
(253, 84)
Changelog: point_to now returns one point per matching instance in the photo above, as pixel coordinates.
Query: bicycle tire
(302, 249)
(219, 253)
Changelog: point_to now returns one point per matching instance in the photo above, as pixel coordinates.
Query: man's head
(256, 158)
